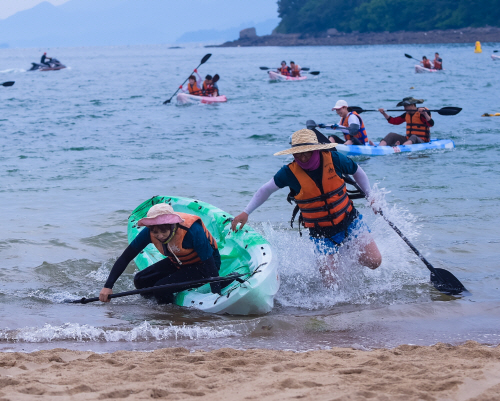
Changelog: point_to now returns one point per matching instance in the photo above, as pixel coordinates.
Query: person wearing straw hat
(418, 124)
(316, 183)
(190, 250)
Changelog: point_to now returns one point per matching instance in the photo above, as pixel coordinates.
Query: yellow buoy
(412, 87)
(478, 47)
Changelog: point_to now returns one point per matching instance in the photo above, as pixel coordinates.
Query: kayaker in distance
(191, 253)
(44, 57)
(194, 85)
(418, 123)
(426, 63)
(209, 87)
(438, 62)
(316, 184)
(294, 69)
(284, 70)
(351, 125)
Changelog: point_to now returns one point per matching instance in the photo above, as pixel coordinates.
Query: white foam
(142, 332)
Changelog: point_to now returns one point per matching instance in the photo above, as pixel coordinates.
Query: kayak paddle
(445, 111)
(203, 61)
(187, 284)
(9, 83)
(408, 56)
(267, 68)
(442, 279)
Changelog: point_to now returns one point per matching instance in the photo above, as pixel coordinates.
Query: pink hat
(162, 213)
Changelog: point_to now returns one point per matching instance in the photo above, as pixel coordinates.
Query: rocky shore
(334, 38)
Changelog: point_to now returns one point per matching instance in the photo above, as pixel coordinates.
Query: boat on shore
(244, 251)
(361, 150)
(186, 98)
(275, 76)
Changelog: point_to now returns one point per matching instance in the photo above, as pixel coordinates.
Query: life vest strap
(328, 218)
(322, 198)
(326, 207)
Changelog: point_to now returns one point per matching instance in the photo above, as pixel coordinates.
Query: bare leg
(382, 143)
(397, 143)
(349, 142)
(371, 142)
(327, 269)
(408, 143)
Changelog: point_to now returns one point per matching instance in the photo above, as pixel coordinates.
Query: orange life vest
(414, 126)
(174, 246)
(426, 63)
(194, 90)
(438, 65)
(284, 71)
(208, 90)
(296, 71)
(361, 135)
(327, 206)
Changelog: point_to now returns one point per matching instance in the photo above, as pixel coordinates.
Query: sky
(10, 7)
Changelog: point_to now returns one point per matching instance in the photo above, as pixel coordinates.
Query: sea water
(82, 147)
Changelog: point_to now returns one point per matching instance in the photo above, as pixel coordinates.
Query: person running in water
(316, 179)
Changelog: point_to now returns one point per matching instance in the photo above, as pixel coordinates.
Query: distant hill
(128, 22)
(220, 36)
(316, 16)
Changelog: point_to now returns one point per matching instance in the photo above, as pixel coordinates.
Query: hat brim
(306, 148)
(158, 220)
(406, 102)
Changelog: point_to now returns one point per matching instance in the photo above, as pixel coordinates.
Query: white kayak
(245, 252)
(275, 76)
(360, 150)
(495, 57)
(420, 69)
(185, 98)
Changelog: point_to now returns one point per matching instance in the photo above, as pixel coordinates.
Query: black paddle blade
(408, 56)
(215, 78)
(446, 282)
(310, 124)
(166, 101)
(449, 111)
(304, 68)
(355, 108)
(9, 83)
(264, 68)
(314, 72)
(205, 58)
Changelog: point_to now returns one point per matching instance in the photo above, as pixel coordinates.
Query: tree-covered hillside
(316, 16)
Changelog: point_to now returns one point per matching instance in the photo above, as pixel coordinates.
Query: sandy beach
(440, 372)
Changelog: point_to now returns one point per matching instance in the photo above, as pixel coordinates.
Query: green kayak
(244, 252)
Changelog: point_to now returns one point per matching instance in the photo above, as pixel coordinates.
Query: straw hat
(305, 140)
(161, 213)
(409, 100)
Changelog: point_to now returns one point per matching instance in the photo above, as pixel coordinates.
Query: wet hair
(283, 62)
(192, 77)
(437, 53)
(425, 58)
(292, 62)
(208, 77)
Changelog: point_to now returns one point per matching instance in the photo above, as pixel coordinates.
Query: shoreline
(442, 371)
(466, 35)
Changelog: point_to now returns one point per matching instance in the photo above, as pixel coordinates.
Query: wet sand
(441, 372)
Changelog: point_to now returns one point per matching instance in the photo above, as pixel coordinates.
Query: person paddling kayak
(426, 63)
(209, 87)
(351, 125)
(438, 62)
(294, 69)
(284, 70)
(418, 124)
(316, 183)
(191, 253)
(194, 85)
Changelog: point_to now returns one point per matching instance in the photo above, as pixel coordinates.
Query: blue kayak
(357, 150)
